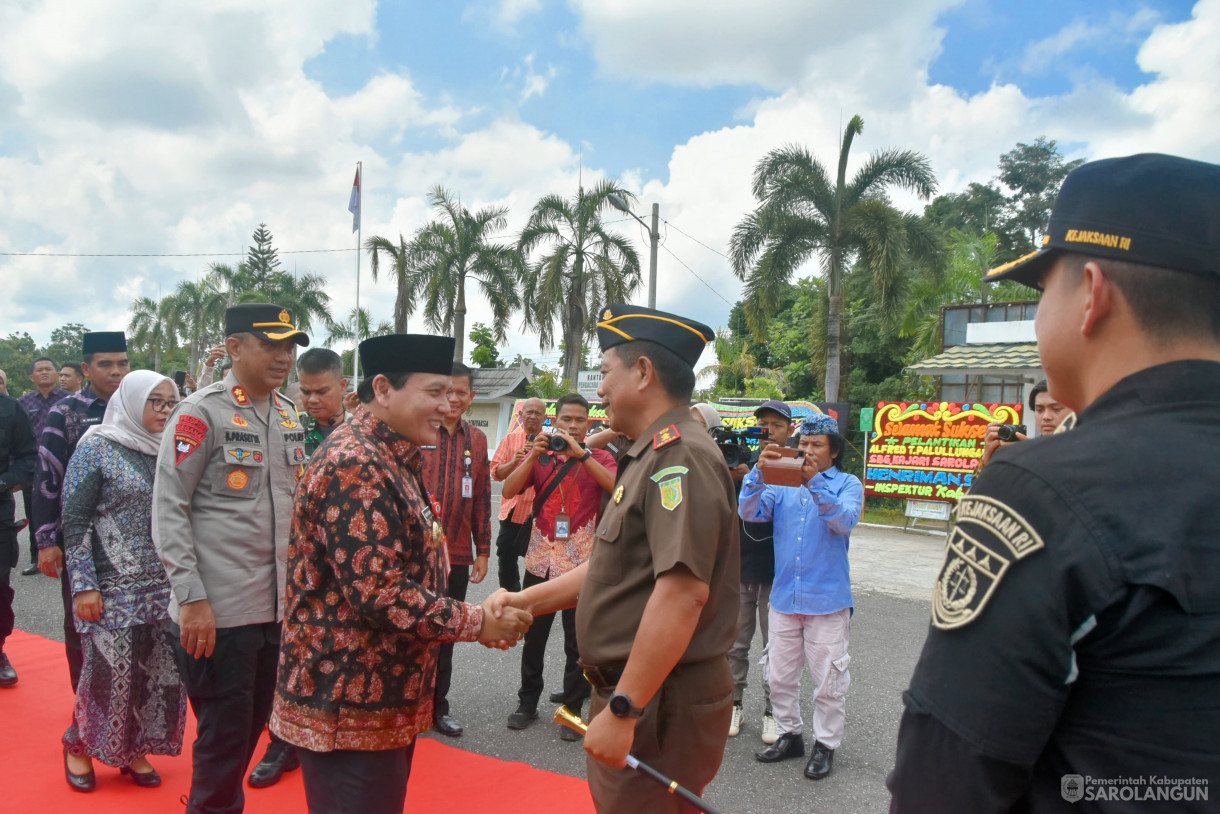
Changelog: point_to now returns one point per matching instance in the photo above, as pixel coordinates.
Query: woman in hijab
(129, 702)
(706, 415)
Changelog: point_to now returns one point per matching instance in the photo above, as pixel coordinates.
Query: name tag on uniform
(467, 486)
(563, 526)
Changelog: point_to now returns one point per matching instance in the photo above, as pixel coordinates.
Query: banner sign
(737, 414)
(929, 450)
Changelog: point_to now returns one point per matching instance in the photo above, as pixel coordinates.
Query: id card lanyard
(563, 523)
(467, 479)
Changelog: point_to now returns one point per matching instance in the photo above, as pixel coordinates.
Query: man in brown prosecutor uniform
(658, 598)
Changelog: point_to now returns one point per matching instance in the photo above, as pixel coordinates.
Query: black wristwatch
(588, 454)
(621, 707)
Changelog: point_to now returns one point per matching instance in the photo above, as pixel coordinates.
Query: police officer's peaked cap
(628, 323)
(103, 342)
(1149, 209)
(265, 320)
(406, 353)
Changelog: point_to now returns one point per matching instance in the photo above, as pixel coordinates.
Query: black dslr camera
(734, 444)
(1008, 432)
(556, 443)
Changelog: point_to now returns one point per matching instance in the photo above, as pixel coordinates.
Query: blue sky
(169, 128)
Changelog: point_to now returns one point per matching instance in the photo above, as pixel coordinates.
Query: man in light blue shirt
(811, 603)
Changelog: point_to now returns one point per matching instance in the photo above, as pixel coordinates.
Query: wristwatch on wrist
(588, 454)
(621, 707)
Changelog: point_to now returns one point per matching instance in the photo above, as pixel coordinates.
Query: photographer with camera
(811, 601)
(757, 572)
(1049, 413)
(568, 479)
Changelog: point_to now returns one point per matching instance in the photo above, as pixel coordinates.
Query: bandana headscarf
(819, 424)
(124, 421)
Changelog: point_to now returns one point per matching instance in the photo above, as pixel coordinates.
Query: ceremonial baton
(565, 716)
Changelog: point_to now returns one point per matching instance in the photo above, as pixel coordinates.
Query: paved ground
(892, 573)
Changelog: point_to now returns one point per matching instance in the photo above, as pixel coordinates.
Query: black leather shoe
(523, 717)
(79, 782)
(445, 725)
(8, 676)
(788, 745)
(30, 570)
(556, 697)
(279, 758)
(145, 780)
(820, 762)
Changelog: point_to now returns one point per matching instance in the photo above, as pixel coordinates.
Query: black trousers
(459, 581)
(9, 555)
(71, 637)
(231, 693)
(533, 654)
(27, 503)
(350, 782)
(511, 543)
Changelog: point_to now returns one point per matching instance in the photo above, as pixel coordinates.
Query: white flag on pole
(353, 205)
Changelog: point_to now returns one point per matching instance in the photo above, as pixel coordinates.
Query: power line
(160, 254)
(697, 240)
(697, 277)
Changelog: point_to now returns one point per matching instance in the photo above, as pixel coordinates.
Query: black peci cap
(103, 342)
(265, 320)
(1149, 209)
(628, 323)
(406, 353)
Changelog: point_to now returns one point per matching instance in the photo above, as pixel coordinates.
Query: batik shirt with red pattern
(366, 607)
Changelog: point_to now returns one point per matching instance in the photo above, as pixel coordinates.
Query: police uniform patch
(298, 455)
(669, 480)
(989, 536)
(189, 432)
(618, 494)
(237, 479)
(239, 395)
(665, 437)
(289, 424)
(240, 454)
(285, 316)
(238, 421)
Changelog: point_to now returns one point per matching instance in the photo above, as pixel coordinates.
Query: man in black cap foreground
(367, 609)
(1074, 652)
(222, 503)
(105, 365)
(658, 598)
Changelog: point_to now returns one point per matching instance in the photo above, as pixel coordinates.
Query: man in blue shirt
(811, 601)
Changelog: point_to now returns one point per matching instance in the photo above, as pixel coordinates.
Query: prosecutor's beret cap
(406, 353)
(1149, 209)
(818, 424)
(265, 320)
(629, 323)
(103, 342)
(775, 406)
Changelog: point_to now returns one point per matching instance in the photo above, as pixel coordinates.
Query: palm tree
(150, 328)
(355, 329)
(196, 314)
(801, 213)
(443, 254)
(305, 296)
(404, 302)
(583, 268)
(735, 365)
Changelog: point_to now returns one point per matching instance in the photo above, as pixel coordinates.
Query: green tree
(581, 267)
(17, 354)
(1034, 173)
(802, 213)
(736, 366)
(66, 341)
(547, 384)
(444, 254)
(399, 258)
(485, 352)
(262, 260)
(196, 315)
(149, 329)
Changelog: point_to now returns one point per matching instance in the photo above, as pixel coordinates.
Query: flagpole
(359, 231)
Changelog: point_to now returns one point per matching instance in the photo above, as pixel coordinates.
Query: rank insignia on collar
(669, 480)
(665, 437)
(276, 398)
(238, 421)
(618, 494)
(239, 395)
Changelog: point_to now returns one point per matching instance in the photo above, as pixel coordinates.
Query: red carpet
(33, 716)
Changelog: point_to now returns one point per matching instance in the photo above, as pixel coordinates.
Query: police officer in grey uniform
(1073, 659)
(222, 506)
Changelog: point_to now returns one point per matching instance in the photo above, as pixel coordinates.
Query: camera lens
(557, 443)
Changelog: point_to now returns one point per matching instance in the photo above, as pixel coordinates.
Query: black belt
(604, 677)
